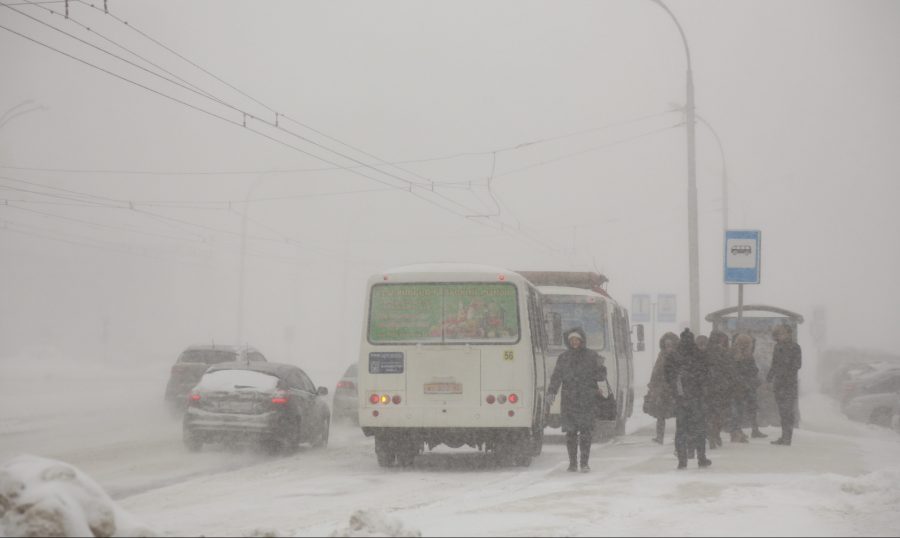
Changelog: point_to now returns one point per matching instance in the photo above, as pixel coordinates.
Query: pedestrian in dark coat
(659, 401)
(579, 372)
(746, 385)
(786, 362)
(721, 386)
(688, 376)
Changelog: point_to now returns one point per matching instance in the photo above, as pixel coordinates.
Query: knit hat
(575, 334)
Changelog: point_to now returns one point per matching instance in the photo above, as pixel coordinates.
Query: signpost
(742, 261)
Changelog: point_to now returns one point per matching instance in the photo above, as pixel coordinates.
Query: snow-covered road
(839, 478)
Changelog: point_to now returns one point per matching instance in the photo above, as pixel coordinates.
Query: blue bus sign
(666, 308)
(640, 308)
(742, 256)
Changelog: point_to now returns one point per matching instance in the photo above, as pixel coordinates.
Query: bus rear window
(444, 314)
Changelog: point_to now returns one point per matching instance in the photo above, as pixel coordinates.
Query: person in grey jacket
(579, 372)
(786, 362)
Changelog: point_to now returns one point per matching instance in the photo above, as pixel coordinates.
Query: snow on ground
(41, 497)
(842, 481)
(839, 478)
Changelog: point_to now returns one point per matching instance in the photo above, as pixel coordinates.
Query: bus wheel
(523, 459)
(384, 450)
(537, 442)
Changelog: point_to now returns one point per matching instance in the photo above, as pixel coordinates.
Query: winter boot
(585, 468)
(702, 461)
(756, 434)
(572, 447)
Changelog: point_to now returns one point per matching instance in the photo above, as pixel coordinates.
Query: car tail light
(513, 398)
(194, 397)
(396, 399)
(490, 399)
(349, 385)
(501, 399)
(374, 399)
(280, 398)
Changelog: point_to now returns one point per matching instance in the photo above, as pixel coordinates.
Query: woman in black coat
(688, 376)
(579, 372)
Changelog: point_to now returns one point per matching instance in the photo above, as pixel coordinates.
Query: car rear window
(229, 380)
(208, 356)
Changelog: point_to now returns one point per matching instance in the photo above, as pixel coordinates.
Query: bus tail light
(385, 399)
(490, 399)
(501, 399)
(396, 399)
(374, 399)
(513, 398)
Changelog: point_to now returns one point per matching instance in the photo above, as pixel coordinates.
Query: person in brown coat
(659, 401)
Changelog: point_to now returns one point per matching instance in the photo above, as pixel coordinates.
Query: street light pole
(693, 249)
(725, 295)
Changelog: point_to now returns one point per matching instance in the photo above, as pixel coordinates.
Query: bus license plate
(443, 388)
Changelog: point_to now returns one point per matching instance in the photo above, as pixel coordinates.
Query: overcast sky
(572, 106)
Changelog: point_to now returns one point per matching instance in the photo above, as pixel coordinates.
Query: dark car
(194, 361)
(346, 397)
(275, 404)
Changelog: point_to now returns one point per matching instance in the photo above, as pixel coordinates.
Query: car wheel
(273, 446)
(191, 441)
(881, 417)
(322, 439)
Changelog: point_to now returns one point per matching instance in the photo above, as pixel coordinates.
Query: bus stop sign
(742, 256)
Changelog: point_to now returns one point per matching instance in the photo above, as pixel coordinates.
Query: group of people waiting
(709, 385)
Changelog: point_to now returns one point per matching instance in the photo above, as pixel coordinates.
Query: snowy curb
(43, 497)
(370, 523)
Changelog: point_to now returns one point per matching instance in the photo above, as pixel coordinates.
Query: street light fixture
(693, 249)
(19, 110)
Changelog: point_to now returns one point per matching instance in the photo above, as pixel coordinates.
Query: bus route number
(509, 355)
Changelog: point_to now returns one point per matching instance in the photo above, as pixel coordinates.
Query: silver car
(878, 409)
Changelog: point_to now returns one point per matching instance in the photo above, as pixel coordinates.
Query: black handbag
(606, 408)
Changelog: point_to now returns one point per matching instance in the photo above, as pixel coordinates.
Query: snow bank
(44, 497)
(371, 523)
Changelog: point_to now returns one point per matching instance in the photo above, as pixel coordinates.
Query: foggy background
(121, 210)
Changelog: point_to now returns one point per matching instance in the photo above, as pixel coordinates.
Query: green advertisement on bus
(444, 313)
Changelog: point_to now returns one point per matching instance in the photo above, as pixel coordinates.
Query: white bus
(452, 354)
(578, 299)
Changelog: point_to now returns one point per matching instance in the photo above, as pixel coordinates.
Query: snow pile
(43, 497)
(371, 523)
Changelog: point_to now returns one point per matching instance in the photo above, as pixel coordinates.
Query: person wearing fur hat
(688, 375)
(579, 372)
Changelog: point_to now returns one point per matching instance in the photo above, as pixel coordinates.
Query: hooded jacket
(659, 402)
(688, 373)
(579, 374)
